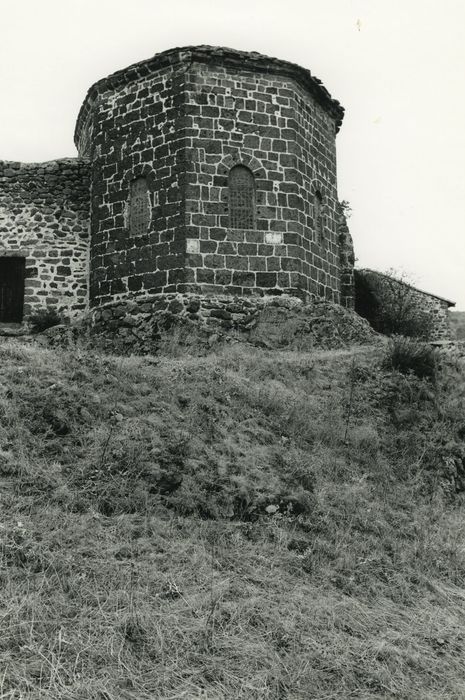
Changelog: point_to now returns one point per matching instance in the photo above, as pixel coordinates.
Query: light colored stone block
(192, 245)
(273, 238)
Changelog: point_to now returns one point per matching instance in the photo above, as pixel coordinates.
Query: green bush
(44, 318)
(410, 355)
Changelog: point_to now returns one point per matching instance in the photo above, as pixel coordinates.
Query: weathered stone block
(244, 279)
(266, 279)
(223, 277)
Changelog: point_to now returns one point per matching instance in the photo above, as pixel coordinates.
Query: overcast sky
(397, 66)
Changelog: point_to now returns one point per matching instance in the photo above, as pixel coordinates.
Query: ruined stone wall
(44, 217)
(346, 260)
(273, 126)
(144, 324)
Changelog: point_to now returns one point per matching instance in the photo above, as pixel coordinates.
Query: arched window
(139, 207)
(241, 185)
(318, 215)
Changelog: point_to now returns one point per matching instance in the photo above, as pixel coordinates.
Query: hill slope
(249, 524)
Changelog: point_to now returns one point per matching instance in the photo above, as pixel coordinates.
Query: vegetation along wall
(393, 306)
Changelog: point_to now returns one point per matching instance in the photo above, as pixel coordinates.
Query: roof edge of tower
(242, 60)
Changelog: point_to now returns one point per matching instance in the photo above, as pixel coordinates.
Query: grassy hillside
(248, 524)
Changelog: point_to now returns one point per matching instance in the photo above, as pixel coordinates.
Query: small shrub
(44, 318)
(409, 355)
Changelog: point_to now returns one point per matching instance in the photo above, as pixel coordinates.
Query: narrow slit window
(318, 214)
(139, 207)
(241, 185)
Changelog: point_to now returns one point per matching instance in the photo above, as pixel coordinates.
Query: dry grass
(143, 554)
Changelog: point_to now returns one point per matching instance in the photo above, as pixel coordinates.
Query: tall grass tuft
(409, 355)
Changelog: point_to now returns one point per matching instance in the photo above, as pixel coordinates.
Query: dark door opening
(11, 289)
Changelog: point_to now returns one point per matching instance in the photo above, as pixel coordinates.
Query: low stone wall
(140, 324)
(44, 218)
(439, 311)
(144, 324)
(379, 297)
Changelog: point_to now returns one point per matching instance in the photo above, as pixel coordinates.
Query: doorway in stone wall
(11, 289)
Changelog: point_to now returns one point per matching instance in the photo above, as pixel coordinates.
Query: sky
(397, 66)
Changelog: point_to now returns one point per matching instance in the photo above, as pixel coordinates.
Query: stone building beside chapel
(201, 173)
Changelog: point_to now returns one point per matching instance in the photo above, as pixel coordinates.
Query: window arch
(139, 207)
(241, 186)
(318, 215)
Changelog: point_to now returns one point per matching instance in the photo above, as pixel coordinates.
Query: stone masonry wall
(182, 120)
(144, 324)
(136, 131)
(346, 260)
(273, 126)
(438, 309)
(44, 217)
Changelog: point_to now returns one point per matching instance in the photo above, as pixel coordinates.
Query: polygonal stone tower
(213, 171)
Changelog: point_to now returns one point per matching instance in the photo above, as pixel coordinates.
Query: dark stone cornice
(212, 55)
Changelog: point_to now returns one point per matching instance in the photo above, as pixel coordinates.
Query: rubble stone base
(141, 325)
